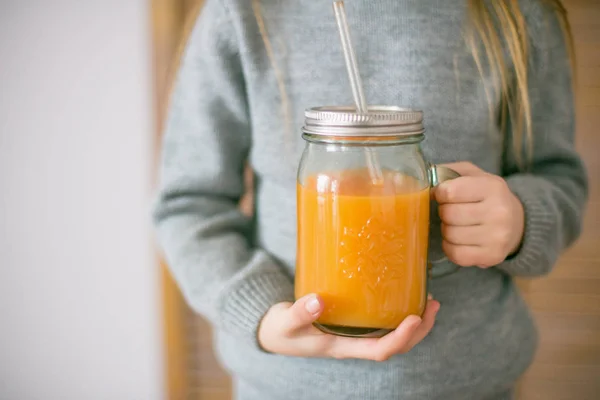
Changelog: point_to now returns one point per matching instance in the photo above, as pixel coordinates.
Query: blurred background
(87, 310)
(80, 304)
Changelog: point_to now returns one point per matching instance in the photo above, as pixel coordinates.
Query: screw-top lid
(381, 121)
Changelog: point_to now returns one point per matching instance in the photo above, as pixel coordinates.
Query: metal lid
(381, 122)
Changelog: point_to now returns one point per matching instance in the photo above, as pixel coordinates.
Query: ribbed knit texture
(227, 107)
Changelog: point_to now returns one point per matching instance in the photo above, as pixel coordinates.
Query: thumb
(304, 312)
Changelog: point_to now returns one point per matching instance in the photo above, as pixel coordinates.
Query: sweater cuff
(536, 255)
(245, 306)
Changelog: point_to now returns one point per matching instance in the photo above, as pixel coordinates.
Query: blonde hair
(497, 26)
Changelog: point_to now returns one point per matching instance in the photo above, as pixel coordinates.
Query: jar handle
(437, 175)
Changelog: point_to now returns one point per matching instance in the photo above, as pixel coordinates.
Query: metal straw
(355, 83)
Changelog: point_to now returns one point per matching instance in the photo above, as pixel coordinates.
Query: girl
(494, 81)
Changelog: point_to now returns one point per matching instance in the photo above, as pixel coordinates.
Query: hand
(482, 220)
(287, 329)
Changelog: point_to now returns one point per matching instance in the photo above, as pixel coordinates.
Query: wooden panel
(165, 21)
(543, 389)
(209, 380)
(569, 373)
(573, 268)
(182, 366)
(566, 304)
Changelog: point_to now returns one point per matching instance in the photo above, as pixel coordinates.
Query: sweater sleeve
(203, 234)
(554, 190)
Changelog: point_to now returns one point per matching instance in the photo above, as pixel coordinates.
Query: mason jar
(363, 203)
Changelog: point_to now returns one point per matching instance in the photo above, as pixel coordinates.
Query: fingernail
(429, 296)
(312, 305)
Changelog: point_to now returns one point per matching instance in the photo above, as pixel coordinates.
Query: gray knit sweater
(226, 108)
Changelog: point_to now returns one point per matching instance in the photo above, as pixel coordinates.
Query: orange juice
(362, 246)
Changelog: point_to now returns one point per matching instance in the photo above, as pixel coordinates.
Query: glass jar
(363, 198)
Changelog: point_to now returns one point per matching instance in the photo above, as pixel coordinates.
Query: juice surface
(363, 247)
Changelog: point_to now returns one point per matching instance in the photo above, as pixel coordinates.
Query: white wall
(79, 305)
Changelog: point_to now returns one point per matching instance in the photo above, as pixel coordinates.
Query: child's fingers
(302, 313)
(464, 256)
(397, 341)
(463, 214)
(466, 189)
(376, 349)
(473, 256)
(465, 168)
(465, 235)
(428, 321)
